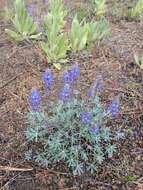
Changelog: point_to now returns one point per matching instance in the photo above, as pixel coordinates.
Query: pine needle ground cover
(49, 154)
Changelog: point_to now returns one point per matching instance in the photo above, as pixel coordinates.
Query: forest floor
(21, 67)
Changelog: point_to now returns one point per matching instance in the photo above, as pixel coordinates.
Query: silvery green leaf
(111, 149)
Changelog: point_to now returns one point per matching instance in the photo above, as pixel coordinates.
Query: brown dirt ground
(21, 68)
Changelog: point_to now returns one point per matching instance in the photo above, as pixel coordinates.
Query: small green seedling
(7, 14)
(81, 35)
(56, 45)
(24, 27)
(56, 16)
(130, 178)
(59, 11)
(137, 10)
(83, 12)
(78, 35)
(99, 7)
(98, 30)
(139, 61)
(86, 33)
(55, 49)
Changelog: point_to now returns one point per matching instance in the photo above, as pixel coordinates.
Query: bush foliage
(73, 129)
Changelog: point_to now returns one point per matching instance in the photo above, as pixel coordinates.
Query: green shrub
(56, 48)
(56, 16)
(56, 45)
(83, 12)
(24, 27)
(78, 34)
(85, 33)
(72, 130)
(98, 30)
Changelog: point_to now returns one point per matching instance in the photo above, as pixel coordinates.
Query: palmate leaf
(78, 169)
(32, 134)
(100, 158)
(70, 140)
(111, 149)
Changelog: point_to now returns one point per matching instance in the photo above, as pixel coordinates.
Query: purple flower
(35, 99)
(67, 77)
(98, 86)
(66, 93)
(30, 9)
(72, 75)
(37, 20)
(95, 129)
(91, 92)
(75, 72)
(48, 79)
(86, 117)
(114, 107)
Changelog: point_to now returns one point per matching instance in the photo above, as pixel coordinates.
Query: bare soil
(21, 67)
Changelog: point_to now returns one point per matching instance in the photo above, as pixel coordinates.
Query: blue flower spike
(67, 77)
(98, 86)
(35, 100)
(48, 79)
(72, 75)
(66, 93)
(30, 9)
(95, 129)
(114, 107)
(75, 72)
(86, 117)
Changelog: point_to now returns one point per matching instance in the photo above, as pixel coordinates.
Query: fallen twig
(70, 188)
(9, 182)
(7, 168)
(9, 81)
(53, 171)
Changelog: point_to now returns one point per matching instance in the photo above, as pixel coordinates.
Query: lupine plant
(24, 27)
(71, 131)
